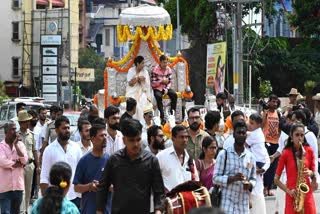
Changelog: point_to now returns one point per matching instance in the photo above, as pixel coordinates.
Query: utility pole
(178, 43)
(237, 46)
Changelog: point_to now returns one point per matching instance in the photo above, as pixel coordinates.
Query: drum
(182, 202)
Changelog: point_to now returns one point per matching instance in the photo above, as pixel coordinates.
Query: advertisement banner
(216, 68)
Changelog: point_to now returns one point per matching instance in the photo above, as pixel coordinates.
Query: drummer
(173, 161)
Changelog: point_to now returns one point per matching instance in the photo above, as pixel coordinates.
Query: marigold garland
(115, 101)
(150, 36)
(187, 95)
(124, 34)
(105, 78)
(123, 70)
(126, 58)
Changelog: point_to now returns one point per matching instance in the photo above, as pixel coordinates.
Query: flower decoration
(63, 184)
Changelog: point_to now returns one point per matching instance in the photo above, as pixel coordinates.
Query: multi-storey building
(11, 42)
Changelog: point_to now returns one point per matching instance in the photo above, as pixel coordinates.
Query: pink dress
(205, 175)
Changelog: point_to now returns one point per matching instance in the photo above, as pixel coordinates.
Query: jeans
(270, 173)
(10, 202)
(158, 96)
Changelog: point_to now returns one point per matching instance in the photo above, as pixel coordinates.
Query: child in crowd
(256, 142)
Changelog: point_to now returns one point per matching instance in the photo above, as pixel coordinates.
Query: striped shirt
(157, 75)
(234, 199)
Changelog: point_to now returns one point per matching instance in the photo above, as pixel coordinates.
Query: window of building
(15, 4)
(107, 35)
(15, 66)
(15, 31)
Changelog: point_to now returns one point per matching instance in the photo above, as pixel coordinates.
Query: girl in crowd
(53, 201)
(205, 163)
(291, 155)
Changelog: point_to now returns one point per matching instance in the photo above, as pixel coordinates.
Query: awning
(57, 3)
(93, 30)
(42, 2)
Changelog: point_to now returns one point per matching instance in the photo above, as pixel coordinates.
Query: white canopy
(144, 15)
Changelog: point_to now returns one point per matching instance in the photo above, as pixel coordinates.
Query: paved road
(270, 203)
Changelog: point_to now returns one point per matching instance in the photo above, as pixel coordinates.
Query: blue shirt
(67, 207)
(88, 169)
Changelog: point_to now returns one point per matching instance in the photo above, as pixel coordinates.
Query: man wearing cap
(146, 123)
(27, 137)
(293, 94)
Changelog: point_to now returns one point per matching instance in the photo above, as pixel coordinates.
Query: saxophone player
(298, 160)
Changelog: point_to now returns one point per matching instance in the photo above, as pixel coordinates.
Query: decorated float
(143, 27)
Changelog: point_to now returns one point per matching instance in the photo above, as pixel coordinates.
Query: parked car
(8, 111)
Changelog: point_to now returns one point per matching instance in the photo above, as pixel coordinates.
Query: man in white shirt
(173, 161)
(85, 144)
(40, 127)
(61, 149)
(114, 136)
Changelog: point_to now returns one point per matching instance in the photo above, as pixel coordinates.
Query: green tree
(88, 58)
(306, 17)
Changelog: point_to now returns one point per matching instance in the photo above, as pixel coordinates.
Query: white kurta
(141, 92)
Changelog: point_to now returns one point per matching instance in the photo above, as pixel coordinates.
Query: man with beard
(196, 135)
(89, 171)
(61, 149)
(133, 172)
(114, 137)
(26, 136)
(235, 172)
(155, 139)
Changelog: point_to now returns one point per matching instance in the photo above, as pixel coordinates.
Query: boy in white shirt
(256, 142)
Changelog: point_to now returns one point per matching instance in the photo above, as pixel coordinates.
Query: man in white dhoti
(139, 87)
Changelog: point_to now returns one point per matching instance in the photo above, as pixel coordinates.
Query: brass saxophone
(301, 186)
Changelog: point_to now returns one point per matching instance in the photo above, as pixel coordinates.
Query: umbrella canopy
(144, 15)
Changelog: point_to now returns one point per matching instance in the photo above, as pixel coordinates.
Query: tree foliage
(88, 58)
(306, 17)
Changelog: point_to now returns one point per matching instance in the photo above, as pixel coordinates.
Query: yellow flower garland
(127, 57)
(159, 52)
(124, 34)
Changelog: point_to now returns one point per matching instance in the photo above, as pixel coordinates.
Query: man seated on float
(138, 86)
(161, 81)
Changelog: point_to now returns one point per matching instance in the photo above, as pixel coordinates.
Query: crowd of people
(127, 164)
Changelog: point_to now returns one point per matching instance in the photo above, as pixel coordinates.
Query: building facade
(11, 42)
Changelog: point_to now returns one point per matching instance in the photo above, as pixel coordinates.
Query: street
(270, 203)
